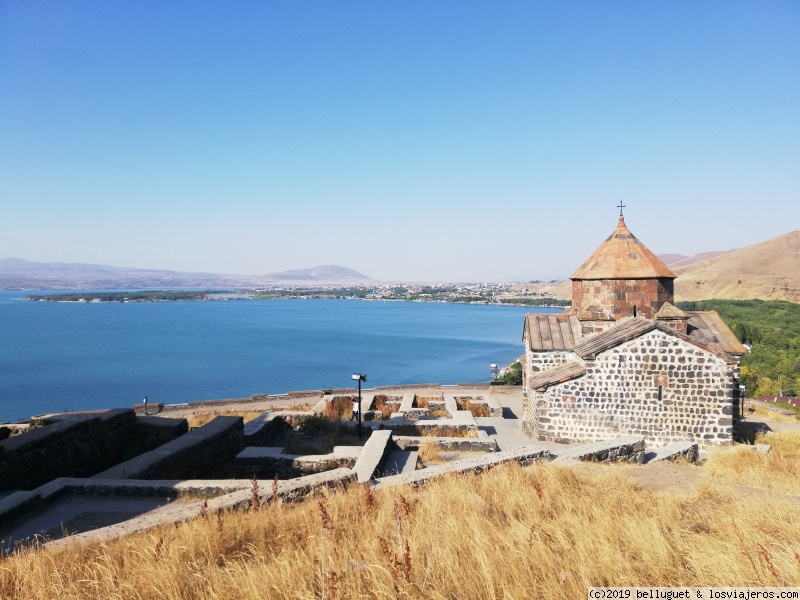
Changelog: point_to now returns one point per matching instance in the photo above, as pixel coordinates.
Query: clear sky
(417, 140)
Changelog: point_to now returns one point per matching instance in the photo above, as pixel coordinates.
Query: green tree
(511, 377)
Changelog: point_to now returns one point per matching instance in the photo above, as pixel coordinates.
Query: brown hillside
(690, 260)
(562, 290)
(769, 271)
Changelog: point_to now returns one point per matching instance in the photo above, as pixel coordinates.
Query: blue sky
(412, 140)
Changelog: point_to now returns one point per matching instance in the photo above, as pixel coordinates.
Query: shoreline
(474, 303)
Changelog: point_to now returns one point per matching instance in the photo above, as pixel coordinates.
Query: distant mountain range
(322, 274)
(16, 273)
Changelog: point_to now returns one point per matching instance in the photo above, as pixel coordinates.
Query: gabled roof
(551, 332)
(624, 330)
(595, 312)
(623, 256)
(709, 334)
(708, 328)
(544, 379)
(668, 311)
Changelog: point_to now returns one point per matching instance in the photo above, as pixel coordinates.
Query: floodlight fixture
(359, 378)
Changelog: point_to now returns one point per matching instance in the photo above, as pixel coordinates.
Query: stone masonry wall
(619, 395)
(621, 295)
(540, 361)
(196, 461)
(74, 446)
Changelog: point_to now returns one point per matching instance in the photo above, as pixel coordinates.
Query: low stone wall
(416, 386)
(416, 413)
(190, 456)
(688, 451)
(623, 449)
(71, 445)
(240, 499)
(20, 504)
(265, 428)
(439, 427)
(488, 403)
(152, 408)
(449, 444)
(200, 404)
(523, 456)
(151, 431)
(505, 389)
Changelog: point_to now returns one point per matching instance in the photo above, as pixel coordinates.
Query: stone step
(623, 449)
(685, 449)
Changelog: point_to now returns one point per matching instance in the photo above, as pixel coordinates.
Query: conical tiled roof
(622, 256)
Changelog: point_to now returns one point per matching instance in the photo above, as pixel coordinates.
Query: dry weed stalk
(159, 547)
(274, 499)
(255, 500)
(406, 506)
(369, 499)
(399, 562)
(767, 559)
(744, 548)
(220, 521)
(330, 578)
(537, 486)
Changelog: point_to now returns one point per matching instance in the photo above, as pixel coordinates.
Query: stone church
(623, 360)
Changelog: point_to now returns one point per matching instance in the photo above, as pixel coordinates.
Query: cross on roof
(620, 207)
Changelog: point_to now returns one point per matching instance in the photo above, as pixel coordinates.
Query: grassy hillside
(540, 532)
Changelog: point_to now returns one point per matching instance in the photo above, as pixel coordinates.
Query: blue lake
(57, 356)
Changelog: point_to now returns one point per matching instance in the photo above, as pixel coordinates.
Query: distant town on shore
(512, 294)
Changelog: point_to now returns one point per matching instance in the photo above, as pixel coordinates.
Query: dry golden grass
(778, 470)
(422, 401)
(297, 408)
(200, 419)
(339, 407)
(769, 415)
(542, 532)
(430, 454)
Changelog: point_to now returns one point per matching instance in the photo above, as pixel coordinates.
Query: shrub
(317, 425)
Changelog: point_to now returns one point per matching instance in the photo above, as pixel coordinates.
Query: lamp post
(359, 377)
(742, 396)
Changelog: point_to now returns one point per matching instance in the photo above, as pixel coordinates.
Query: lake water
(57, 356)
